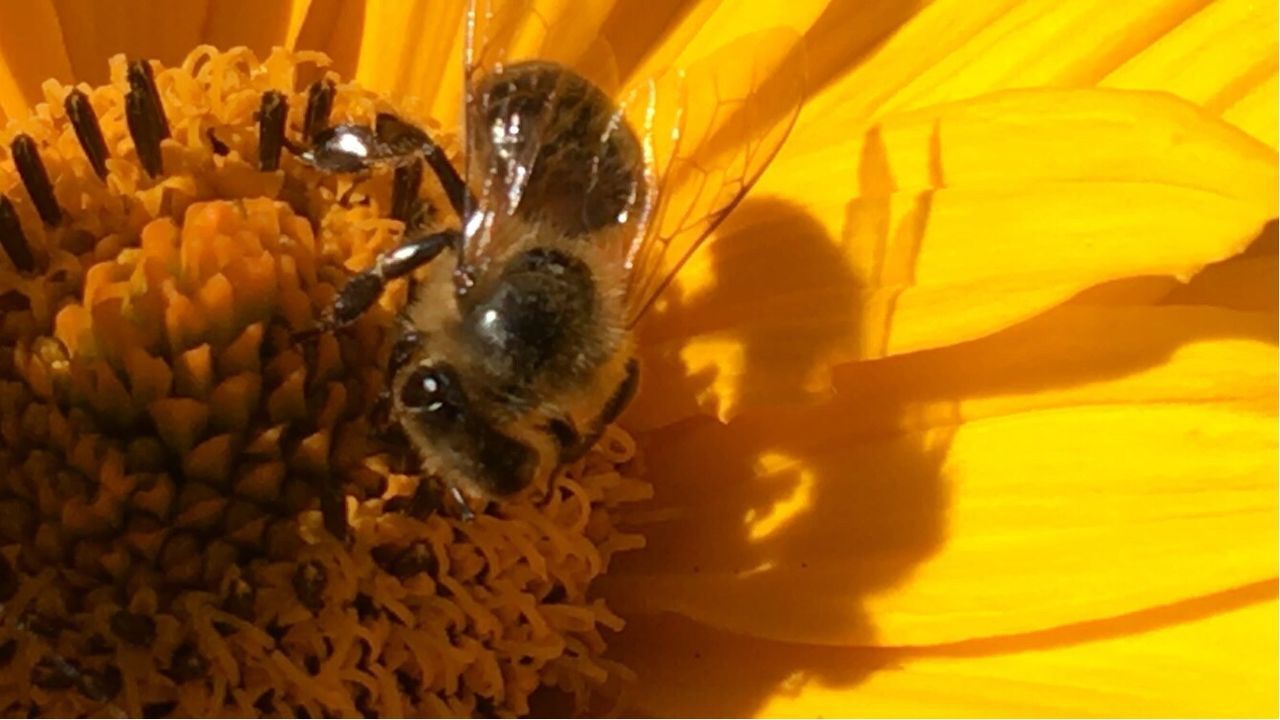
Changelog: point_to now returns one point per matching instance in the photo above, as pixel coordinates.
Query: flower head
(200, 517)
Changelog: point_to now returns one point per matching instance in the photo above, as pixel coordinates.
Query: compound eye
(431, 390)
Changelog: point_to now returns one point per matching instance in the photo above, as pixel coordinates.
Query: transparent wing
(709, 132)
(510, 117)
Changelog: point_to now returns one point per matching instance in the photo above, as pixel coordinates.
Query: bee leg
(404, 191)
(402, 350)
(364, 289)
(618, 401)
(465, 513)
(397, 133)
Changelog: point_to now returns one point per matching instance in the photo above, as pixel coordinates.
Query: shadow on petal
(742, 504)
(1248, 281)
(781, 522)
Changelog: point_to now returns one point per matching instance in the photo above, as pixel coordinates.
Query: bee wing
(709, 131)
(504, 136)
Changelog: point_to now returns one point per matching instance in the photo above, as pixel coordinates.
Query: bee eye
(431, 390)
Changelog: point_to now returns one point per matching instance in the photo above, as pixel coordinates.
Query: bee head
(436, 413)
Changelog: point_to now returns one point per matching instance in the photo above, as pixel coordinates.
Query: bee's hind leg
(364, 289)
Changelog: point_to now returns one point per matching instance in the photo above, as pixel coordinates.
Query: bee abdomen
(587, 168)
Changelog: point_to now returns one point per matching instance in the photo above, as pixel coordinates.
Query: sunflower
(968, 409)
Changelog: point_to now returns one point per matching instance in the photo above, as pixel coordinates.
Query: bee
(576, 205)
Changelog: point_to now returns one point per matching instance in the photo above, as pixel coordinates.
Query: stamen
(12, 239)
(271, 117)
(319, 105)
(333, 510)
(88, 131)
(101, 686)
(133, 628)
(26, 156)
(404, 191)
(52, 672)
(239, 599)
(188, 664)
(143, 130)
(142, 79)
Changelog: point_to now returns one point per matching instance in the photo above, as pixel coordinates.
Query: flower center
(200, 511)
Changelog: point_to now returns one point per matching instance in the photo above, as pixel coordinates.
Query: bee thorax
(537, 321)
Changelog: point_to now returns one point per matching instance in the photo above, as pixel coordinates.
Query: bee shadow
(769, 532)
(780, 521)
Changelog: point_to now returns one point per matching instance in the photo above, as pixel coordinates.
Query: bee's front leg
(364, 289)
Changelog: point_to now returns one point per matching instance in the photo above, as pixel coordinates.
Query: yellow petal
(1215, 58)
(94, 31)
(1223, 665)
(31, 50)
(955, 49)
(412, 49)
(258, 25)
(1092, 462)
(1209, 657)
(1256, 112)
(945, 225)
(706, 26)
(333, 27)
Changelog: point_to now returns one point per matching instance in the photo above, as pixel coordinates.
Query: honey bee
(577, 203)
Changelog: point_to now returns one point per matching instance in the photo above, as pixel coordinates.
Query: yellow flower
(969, 409)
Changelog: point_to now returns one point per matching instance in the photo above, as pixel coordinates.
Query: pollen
(200, 514)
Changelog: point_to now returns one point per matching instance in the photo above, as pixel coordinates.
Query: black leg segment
(404, 191)
(363, 290)
(403, 138)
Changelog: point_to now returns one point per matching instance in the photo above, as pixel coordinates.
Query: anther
(9, 580)
(404, 191)
(240, 599)
(219, 147)
(52, 672)
(309, 581)
(142, 80)
(271, 117)
(101, 686)
(12, 239)
(333, 509)
(319, 105)
(85, 122)
(133, 628)
(144, 131)
(188, 664)
(26, 156)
